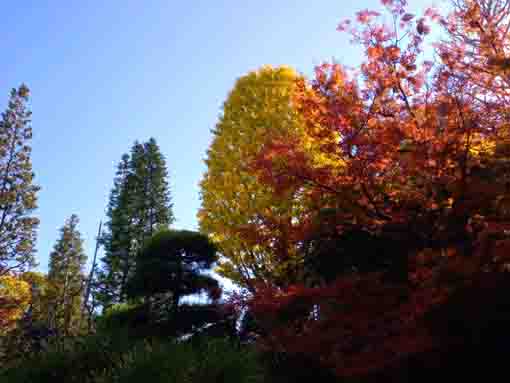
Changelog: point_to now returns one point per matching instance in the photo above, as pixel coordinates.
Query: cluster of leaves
(191, 321)
(234, 202)
(14, 300)
(172, 262)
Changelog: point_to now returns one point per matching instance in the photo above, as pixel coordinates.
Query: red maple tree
(425, 161)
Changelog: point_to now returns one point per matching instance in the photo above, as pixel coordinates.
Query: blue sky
(105, 73)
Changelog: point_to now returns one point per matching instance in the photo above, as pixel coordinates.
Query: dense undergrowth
(116, 358)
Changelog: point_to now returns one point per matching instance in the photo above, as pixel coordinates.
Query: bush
(71, 360)
(210, 361)
(122, 315)
(114, 359)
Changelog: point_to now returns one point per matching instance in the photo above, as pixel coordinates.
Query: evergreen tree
(171, 266)
(17, 192)
(150, 200)
(138, 187)
(66, 277)
(139, 206)
(117, 238)
(157, 206)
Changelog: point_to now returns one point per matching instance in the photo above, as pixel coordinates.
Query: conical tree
(150, 196)
(158, 204)
(137, 188)
(117, 238)
(17, 191)
(139, 206)
(67, 278)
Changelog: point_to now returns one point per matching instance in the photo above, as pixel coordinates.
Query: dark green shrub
(205, 361)
(115, 359)
(122, 315)
(71, 360)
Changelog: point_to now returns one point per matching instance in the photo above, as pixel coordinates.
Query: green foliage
(66, 279)
(18, 193)
(210, 361)
(71, 360)
(139, 206)
(169, 268)
(152, 320)
(172, 262)
(121, 315)
(117, 238)
(211, 320)
(152, 197)
(114, 359)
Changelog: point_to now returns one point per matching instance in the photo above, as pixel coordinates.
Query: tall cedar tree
(67, 278)
(117, 238)
(139, 206)
(17, 192)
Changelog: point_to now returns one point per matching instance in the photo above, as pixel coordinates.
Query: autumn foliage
(424, 149)
(15, 296)
(234, 202)
(365, 214)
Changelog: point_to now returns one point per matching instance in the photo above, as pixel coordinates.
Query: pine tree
(17, 191)
(139, 206)
(171, 267)
(67, 278)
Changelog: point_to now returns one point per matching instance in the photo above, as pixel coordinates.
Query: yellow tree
(40, 301)
(251, 224)
(14, 301)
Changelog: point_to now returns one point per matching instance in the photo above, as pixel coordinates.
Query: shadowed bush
(115, 359)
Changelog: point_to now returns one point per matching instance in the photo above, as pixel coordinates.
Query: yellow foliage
(14, 301)
(258, 109)
(480, 146)
(43, 292)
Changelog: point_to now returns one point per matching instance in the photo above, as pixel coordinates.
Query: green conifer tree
(139, 206)
(117, 238)
(17, 190)
(158, 207)
(66, 278)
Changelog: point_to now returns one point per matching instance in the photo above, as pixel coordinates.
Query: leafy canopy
(424, 149)
(15, 298)
(258, 109)
(172, 263)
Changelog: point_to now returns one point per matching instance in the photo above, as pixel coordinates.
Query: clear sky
(105, 73)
